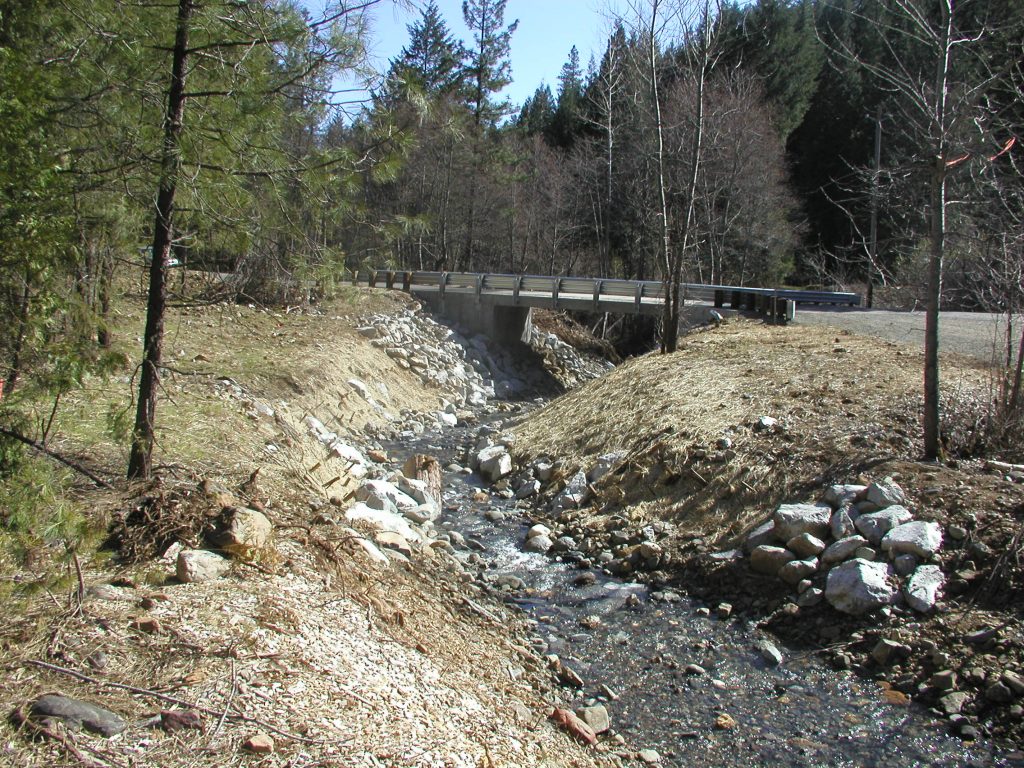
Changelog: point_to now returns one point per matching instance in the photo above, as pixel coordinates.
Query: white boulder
(381, 520)
(793, 519)
(885, 493)
(859, 586)
(917, 537)
(874, 525)
(924, 588)
(373, 491)
(196, 565)
(494, 462)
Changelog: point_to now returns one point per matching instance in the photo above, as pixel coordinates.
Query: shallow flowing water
(800, 713)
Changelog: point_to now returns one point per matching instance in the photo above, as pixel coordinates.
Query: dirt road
(976, 334)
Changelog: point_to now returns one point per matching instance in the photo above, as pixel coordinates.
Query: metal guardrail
(639, 294)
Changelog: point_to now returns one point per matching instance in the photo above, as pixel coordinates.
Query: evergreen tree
(432, 59)
(776, 40)
(537, 112)
(488, 68)
(34, 194)
(567, 118)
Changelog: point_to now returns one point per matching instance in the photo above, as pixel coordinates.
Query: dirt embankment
(706, 443)
(310, 651)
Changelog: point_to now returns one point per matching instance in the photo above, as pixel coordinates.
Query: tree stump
(425, 468)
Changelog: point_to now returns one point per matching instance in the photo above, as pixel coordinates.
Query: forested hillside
(855, 143)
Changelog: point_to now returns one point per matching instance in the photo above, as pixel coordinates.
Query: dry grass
(361, 666)
(844, 403)
(347, 664)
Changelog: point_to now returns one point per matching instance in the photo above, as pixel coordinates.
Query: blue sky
(540, 46)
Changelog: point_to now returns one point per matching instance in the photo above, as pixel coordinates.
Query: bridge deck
(600, 294)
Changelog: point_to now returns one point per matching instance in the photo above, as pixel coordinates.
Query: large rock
(596, 717)
(381, 520)
(924, 588)
(77, 714)
(885, 493)
(540, 543)
(605, 464)
(841, 523)
(197, 565)
(793, 519)
(917, 537)
(796, 571)
(421, 515)
(494, 462)
(242, 530)
(527, 489)
(538, 530)
(574, 493)
(420, 491)
(874, 525)
(763, 534)
(859, 586)
(543, 469)
(805, 545)
(769, 560)
(841, 550)
(840, 495)
(379, 493)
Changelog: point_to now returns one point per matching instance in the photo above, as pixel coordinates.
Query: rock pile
(470, 371)
(241, 533)
(860, 549)
(566, 363)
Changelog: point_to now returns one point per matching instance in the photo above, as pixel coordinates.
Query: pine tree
(488, 68)
(537, 113)
(567, 118)
(776, 40)
(433, 57)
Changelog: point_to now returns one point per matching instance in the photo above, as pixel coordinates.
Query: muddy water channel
(672, 673)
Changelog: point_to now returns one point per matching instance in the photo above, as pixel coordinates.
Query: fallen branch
(1002, 466)
(170, 699)
(56, 457)
(479, 609)
(227, 708)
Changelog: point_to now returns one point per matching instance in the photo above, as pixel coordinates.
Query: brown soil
(847, 408)
(340, 660)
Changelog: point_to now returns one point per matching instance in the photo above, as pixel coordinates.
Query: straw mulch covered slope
(690, 423)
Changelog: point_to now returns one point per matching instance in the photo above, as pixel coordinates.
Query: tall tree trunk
(937, 216)
(18, 347)
(450, 150)
(873, 245)
(668, 337)
(106, 279)
(140, 461)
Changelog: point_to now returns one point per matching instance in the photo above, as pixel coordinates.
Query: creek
(674, 668)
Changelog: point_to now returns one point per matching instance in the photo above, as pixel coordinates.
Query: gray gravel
(979, 335)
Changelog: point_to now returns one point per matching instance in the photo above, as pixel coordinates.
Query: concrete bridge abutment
(505, 325)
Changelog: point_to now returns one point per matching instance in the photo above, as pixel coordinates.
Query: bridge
(499, 305)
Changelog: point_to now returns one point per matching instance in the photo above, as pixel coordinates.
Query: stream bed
(674, 676)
